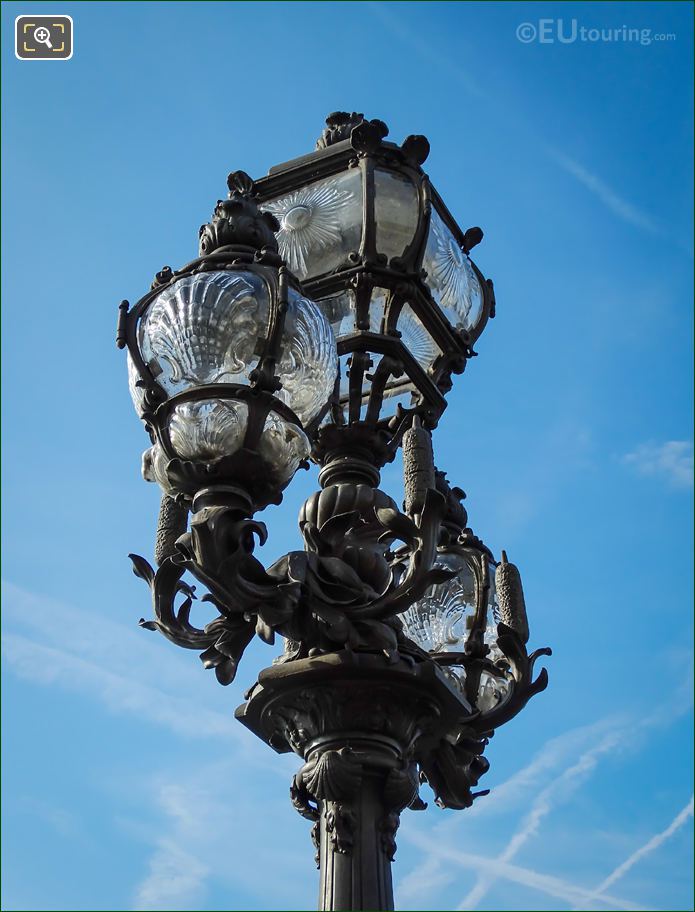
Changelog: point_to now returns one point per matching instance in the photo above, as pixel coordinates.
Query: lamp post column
(356, 835)
(347, 773)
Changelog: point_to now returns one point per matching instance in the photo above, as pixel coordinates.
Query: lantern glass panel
(396, 211)
(439, 621)
(339, 310)
(309, 362)
(416, 338)
(208, 429)
(393, 396)
(450, 276)
(345, 364)
(283, 446)
(344, 377)
(205, 328)
(205, 430)
(492, 691)
(320, 224)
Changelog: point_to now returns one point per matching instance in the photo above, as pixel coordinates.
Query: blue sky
(127, 783)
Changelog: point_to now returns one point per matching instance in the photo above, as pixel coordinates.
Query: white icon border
(44, 16)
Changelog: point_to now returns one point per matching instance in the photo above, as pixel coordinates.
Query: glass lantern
(456, 623)
(230, 365)
(375, 246)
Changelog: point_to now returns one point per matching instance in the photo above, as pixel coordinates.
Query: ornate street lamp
(400, 660)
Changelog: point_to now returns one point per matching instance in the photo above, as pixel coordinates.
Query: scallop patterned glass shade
(205, 430)
(320, 224)
(205, 328)
(210, 328)
(283, 445)
(212, 428)
(440, 622)
(208, 429)
(309, 362)
(450, 276)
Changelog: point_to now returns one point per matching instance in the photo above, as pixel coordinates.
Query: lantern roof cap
(347, 134)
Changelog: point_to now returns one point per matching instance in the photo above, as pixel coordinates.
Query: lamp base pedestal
(361, 724)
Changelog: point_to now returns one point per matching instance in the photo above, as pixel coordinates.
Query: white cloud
(679, 821)
(671, 461)
(617, 205)
(129, 670)
(112, 641)
(65, 822)
(198, 842)
(178, 872)
(424, 881)
(134, 673)
(512, 794)
(176, 880)
(523, 127)
(123, 695)
(556, 754)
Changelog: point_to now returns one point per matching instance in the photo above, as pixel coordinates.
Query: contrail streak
(546, 883)
(544, 803)
(646, 849)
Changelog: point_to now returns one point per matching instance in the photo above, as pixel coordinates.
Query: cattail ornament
(418, 467)
(172, 523)
(510, 598)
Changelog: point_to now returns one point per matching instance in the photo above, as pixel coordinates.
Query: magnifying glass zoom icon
(43, 36)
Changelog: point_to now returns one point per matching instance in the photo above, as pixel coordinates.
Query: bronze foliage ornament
(341, 592)
(344, 593)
